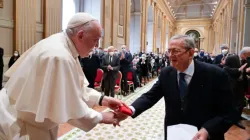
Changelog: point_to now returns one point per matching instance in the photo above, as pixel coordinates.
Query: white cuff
(132, 109)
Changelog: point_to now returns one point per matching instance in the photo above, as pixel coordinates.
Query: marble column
(144, 9)
(25, 24)
(127, 23)
(106, 23)
(53, 17)
(155, 27)
(246, 38)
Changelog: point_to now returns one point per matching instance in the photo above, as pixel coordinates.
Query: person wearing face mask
(13, 58)
(90, 65)
(224, 51)
(110, 65)
(196, 54)
(126, 66)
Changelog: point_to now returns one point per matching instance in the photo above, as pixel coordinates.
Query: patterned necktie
(182, 84)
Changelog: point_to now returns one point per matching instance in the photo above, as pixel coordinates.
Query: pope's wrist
(105, 101)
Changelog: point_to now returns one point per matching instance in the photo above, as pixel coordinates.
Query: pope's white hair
(87, 26)
(245, 50)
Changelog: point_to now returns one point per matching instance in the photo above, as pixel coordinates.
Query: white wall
(135, 33)
(93, 7)
(150, 37)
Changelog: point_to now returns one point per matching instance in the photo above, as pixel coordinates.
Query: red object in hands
(125, 110)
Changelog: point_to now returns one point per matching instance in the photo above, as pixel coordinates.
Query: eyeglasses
(176, 51)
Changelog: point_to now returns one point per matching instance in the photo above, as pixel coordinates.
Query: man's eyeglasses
(177, 51)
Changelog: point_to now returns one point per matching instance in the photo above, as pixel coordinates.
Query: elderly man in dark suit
(219, 58)
(110, 65)
(195, 93)
(126, 65)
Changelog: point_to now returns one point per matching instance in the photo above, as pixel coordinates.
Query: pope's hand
(201, 135)
(109, 118)
(120, 117)
(112, 103)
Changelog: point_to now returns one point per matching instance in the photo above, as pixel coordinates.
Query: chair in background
(130, 81)
(118, 85)
(98, 79)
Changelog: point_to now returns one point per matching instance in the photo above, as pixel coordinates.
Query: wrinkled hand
(248, 70)
(120, 117)
(109, 118)
(223, 61)
(242, 67)
(201, 135)
(112, 103)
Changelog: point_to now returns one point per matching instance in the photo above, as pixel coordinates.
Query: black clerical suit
(110, 76)
(207, 102)
(90, 65)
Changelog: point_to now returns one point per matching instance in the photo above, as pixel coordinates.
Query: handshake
(120, 111)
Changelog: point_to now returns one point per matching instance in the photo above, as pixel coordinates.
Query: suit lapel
(196, 80)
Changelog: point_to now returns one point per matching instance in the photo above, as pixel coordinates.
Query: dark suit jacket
(126, 63)
(207, 104)
(90, 66)
(115, 64)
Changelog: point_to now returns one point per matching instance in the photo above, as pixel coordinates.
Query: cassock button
(182, 109)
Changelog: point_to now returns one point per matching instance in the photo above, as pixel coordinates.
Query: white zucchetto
(80, 19)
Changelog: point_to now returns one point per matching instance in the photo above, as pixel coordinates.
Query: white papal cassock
(47, 87)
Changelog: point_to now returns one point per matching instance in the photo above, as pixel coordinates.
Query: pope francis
(47, 86)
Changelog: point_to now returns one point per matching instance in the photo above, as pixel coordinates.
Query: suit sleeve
(117, 65)
(225, 110)
(103, 65)
(147, 100)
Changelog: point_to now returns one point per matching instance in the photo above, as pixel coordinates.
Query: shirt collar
(190, 70)
(71, 46)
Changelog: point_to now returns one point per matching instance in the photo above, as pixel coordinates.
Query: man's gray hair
(188, 41)
(111, 47)
(224, 46)
(245, 50)
(75, 30)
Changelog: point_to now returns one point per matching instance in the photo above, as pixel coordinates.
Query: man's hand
(242, 67)
(109, 118)
(201, 135)
(112, 103)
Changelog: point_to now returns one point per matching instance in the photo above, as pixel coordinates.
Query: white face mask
(205, 54)
(111, 53)
(15, 54)
(143, 58)
(224, 51)
(195, 54)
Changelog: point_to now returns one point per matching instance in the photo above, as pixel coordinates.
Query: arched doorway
(196, 35)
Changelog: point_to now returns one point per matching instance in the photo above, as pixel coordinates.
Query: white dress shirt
(189, 73)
